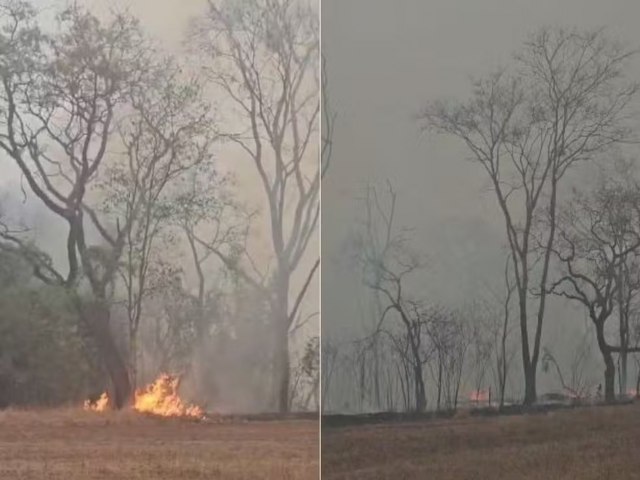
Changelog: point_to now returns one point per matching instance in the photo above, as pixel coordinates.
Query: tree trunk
(97, 317)
(421, 397)
(609, 377)
(281, 324)
(376, 374)
(439, 384)
(609, 369)
(282, 368)
(527, 365)
(623, 372)
(133, 354)
(530, 385)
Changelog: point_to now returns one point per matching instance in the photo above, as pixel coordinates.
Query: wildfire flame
(479, 396)
(161, 398)
(158, 398)
(100, 405)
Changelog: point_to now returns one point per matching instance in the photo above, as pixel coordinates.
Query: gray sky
(385, 60)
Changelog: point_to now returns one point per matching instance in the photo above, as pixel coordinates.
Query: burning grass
(72, 444)
(591, 443)
(159, 398)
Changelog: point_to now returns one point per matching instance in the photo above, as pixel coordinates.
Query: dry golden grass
(595, 443)
(71, 444)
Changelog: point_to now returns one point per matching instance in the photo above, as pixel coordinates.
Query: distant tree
(598, 233)
(450, 337)
(564, 102)
(329, 359)
(306, 384)
(386, 261)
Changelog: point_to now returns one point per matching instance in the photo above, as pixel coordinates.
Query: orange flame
(100, 405)
(479, 396)
(161, 398)
(158, 398)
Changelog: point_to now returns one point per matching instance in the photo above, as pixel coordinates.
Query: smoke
(223, 353)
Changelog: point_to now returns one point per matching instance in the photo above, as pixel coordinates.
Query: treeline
(166, 264)
(536, 130)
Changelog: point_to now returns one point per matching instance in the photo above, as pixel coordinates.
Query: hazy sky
(385, 60)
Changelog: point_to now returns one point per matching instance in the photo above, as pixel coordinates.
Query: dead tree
(598, 232)
(329, 359)
(386, 262)
(265, 62)
(564, 102)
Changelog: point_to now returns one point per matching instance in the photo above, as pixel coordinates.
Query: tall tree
(265, 60)
(564, 101)
(168, 136)
(73, 103)
(386, 264)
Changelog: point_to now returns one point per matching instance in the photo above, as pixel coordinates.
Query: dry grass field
(595, 443)
(77, 445)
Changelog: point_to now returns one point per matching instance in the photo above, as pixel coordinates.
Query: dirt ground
(72, 444)
(591, 443)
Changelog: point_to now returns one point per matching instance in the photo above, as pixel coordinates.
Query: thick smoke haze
(385, 62)
(167, 23)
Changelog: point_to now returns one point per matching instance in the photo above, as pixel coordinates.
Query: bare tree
(265, 61)
(328, 357)
(563, 103)
(598, 232)
(482, 345)
(306, 384)
(386, 262)
(450, 340)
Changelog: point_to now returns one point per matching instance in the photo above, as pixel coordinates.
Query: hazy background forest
(447, 243)
(158, 201)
